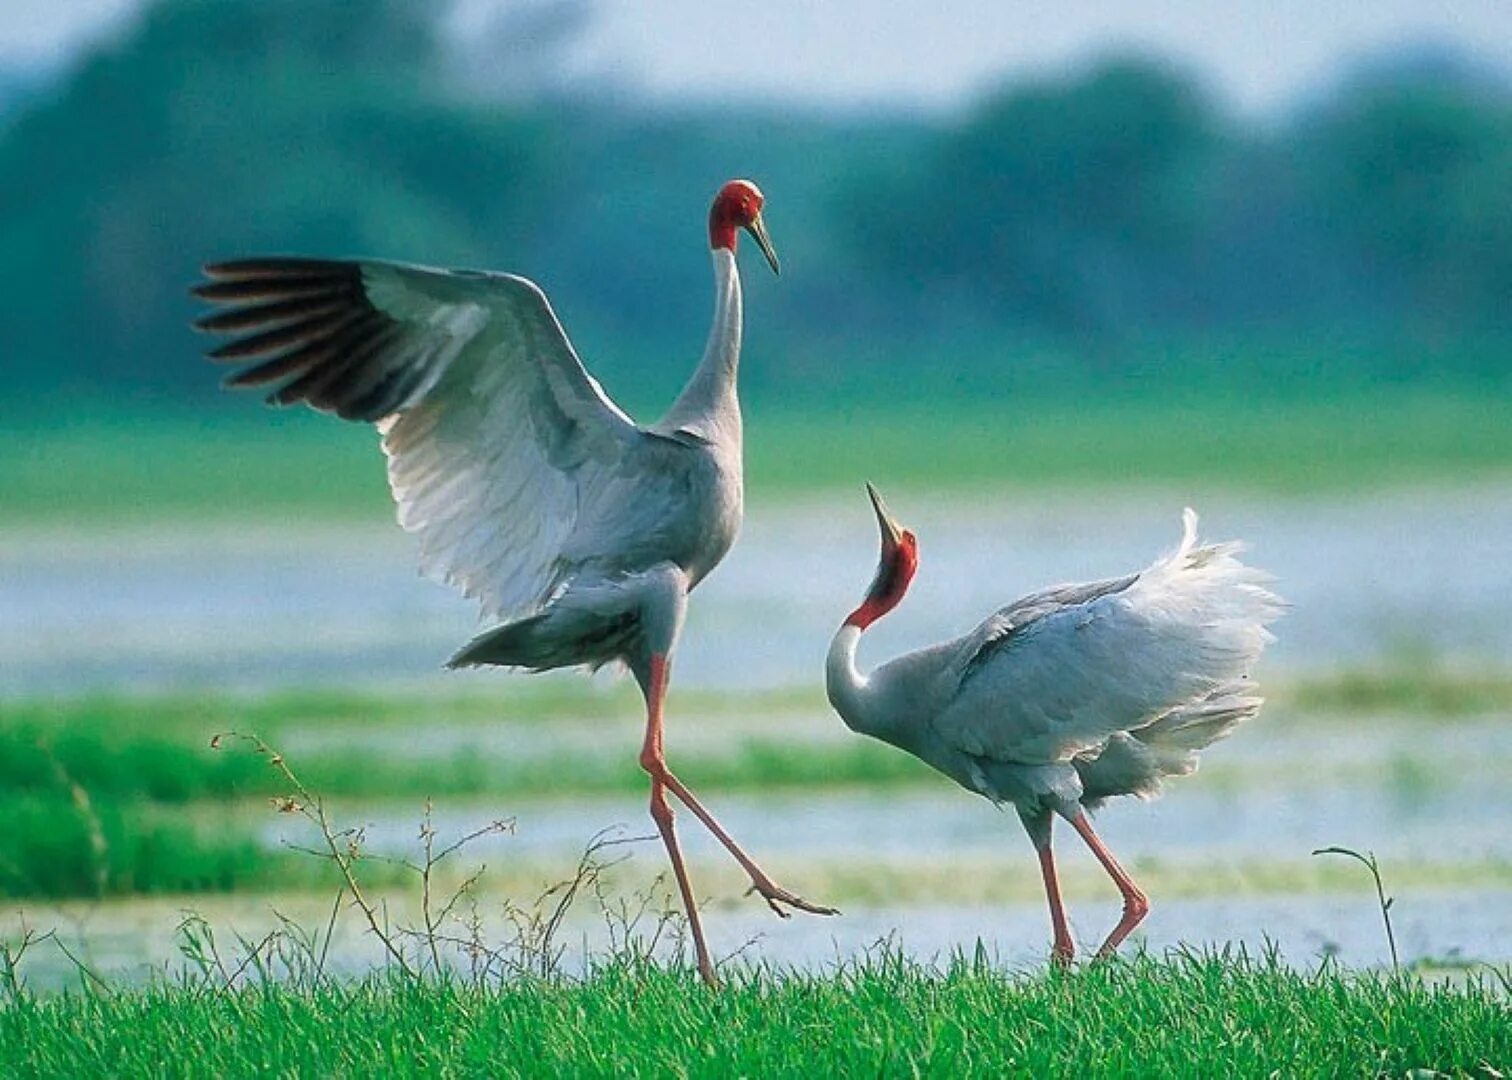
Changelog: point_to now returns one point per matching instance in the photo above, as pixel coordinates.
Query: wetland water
(1225, 855)
(1411, 572)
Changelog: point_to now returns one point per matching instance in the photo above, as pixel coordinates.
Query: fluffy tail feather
(1210, 611)
(1139, 762)
(1209, 608)
(1176, 737)
(593, 621)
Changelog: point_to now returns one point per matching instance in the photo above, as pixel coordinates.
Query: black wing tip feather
(303, 323)
(229, 319)
(265, 266)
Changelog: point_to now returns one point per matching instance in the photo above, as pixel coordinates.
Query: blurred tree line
(1094, 211)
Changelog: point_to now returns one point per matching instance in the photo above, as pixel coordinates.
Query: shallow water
(132, 942)
(1194, 822)
(1226, 854)
(290, 605)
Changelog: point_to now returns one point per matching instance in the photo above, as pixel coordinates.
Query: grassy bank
(125, 795)
(111, 465)
(560, 734)
(555, 735)
(1181, 1016)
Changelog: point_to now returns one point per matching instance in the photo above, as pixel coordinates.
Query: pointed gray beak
(757, 229)
(892, 532)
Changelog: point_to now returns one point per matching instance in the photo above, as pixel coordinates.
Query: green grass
(54, 845)
(1283, 446)
(156, 747)
(117, 466)
(1420, 687)
(111, 467)
(1199, 1016)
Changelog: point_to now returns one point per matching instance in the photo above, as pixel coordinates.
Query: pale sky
(1260, 54)
(43, 32)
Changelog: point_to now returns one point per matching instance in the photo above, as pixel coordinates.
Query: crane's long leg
(654, 762)
(1064, 948)
(661, 813)
(770, 891)
(1136, 904)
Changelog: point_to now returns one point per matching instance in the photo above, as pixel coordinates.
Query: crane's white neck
(845, 686)
(708, 405)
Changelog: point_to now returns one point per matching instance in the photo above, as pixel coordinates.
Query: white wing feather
(492, 464)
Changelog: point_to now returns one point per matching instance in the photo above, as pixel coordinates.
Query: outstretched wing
(1059, 672)
(496, 436)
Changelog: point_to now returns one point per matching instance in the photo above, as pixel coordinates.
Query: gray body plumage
(1079, 693)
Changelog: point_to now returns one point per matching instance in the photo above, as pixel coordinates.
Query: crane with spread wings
(580, 532)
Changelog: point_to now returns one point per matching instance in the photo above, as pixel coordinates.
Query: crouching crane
(579, 531)
(1069, 696)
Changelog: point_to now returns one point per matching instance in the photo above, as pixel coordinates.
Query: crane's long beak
(757, 229)
(892, 532)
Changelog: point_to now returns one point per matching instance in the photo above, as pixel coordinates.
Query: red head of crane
(580, 532)
(1069, 696)
(738, 206)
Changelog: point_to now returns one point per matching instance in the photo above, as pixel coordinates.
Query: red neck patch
(894, 574)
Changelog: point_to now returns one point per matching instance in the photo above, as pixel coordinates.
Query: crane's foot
(775, 896)
(1136, 904)
(1136, 907)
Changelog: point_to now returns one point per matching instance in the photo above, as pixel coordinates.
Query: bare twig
(534, 949)
(344, 855)
(12, 984)
(428, 839)
(83, 968)
(537, 928)
(251, 955)
(431, 918)
(1369, 861)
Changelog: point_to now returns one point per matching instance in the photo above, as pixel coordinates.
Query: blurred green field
(106, 467)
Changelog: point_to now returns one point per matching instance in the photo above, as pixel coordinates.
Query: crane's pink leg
(661, 813)
(1136, 904)
(653, 761)
(1064, 948)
